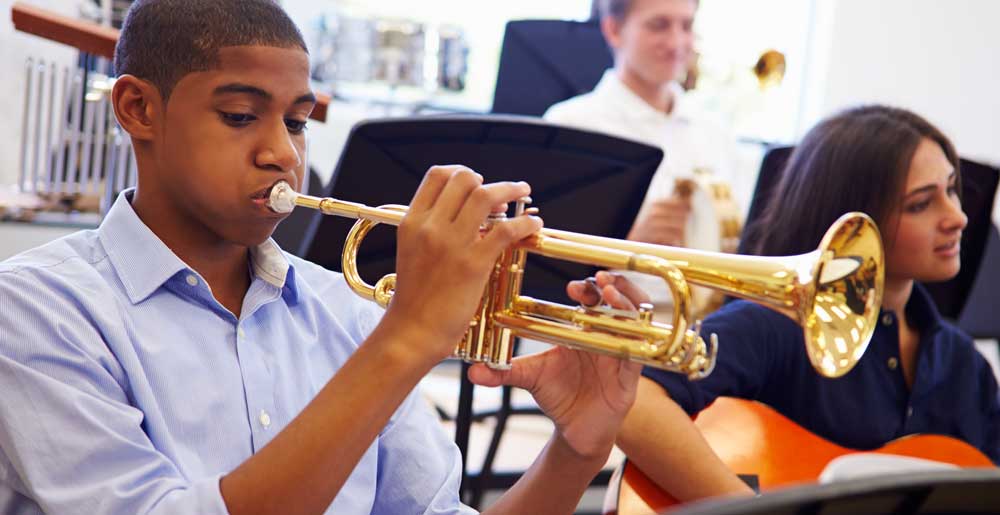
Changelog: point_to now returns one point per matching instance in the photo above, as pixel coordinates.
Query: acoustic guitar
(755, 440)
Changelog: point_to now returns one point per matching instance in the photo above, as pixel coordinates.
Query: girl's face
(923, 235)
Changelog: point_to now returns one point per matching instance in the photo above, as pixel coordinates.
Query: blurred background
(395, 58)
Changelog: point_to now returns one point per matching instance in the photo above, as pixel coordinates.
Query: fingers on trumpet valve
(593, 298)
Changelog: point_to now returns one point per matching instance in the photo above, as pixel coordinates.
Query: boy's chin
(251, 238)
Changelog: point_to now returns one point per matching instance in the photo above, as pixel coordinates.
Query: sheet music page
(865, 464)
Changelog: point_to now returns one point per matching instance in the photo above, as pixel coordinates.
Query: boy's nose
(278, 150)
(676, 39)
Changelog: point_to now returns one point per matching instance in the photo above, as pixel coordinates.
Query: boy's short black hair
(161, 41)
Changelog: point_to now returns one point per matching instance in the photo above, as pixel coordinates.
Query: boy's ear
(136, 103)
(611, 29)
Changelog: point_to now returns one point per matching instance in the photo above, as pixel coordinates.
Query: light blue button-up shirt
(126, 388)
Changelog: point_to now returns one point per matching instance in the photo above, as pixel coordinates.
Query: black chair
(979, 185)
(979, 318)
(581, 181)
(543, 62)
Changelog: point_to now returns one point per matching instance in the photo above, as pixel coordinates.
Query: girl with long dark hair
(919, 374)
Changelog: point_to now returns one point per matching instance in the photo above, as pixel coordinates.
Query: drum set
(390, 51)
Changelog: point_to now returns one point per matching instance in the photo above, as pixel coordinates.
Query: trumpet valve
(707, 362)
(645, 313)
(521, 207)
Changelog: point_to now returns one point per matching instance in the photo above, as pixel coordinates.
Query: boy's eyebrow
(308, 98)
(929, 187)
(242, 88)
(247, 89)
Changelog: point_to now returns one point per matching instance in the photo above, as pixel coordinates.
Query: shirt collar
(612, 87)
(921, 310)
(269, 263)
(144, 263)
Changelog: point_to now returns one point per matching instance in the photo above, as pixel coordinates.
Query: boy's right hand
(442, 259)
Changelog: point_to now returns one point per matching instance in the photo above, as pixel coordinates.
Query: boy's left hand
(587, 395)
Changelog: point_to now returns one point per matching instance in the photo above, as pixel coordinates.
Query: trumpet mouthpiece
(282, 198)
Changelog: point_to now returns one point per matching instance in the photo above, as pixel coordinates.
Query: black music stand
(965, 492)
(581, 181)
(543, 62)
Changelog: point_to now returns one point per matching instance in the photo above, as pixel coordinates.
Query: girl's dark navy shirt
(762, 357)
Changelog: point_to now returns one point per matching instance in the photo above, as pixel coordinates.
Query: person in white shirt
(640, 99)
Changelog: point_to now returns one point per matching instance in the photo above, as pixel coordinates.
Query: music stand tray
(966, 491)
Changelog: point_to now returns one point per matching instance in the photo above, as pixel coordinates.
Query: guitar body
(752, 438)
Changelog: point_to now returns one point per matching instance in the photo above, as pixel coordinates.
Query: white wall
(15, 48)
(938, 58)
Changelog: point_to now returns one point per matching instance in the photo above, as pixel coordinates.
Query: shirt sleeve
(420, 468)
(69, 439)
(749, 336)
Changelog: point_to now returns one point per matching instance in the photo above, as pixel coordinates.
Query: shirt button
(887, 319)
(265, 419)
(893, 363)
(240, 333)
(909, 412)
(192, 280)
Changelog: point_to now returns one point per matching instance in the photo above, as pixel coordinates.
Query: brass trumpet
(833, 292)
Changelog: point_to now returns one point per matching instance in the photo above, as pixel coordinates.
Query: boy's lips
(262, 193)
(261, 198)
(265, 192)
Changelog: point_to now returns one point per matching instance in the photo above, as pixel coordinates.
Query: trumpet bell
(848, 277)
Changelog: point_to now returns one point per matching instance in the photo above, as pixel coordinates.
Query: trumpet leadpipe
(283, 199)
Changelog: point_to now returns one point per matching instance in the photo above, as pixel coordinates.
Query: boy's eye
(295, 126)
(237, 119)
(657, 24)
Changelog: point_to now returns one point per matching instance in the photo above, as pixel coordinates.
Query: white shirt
(689, 141)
